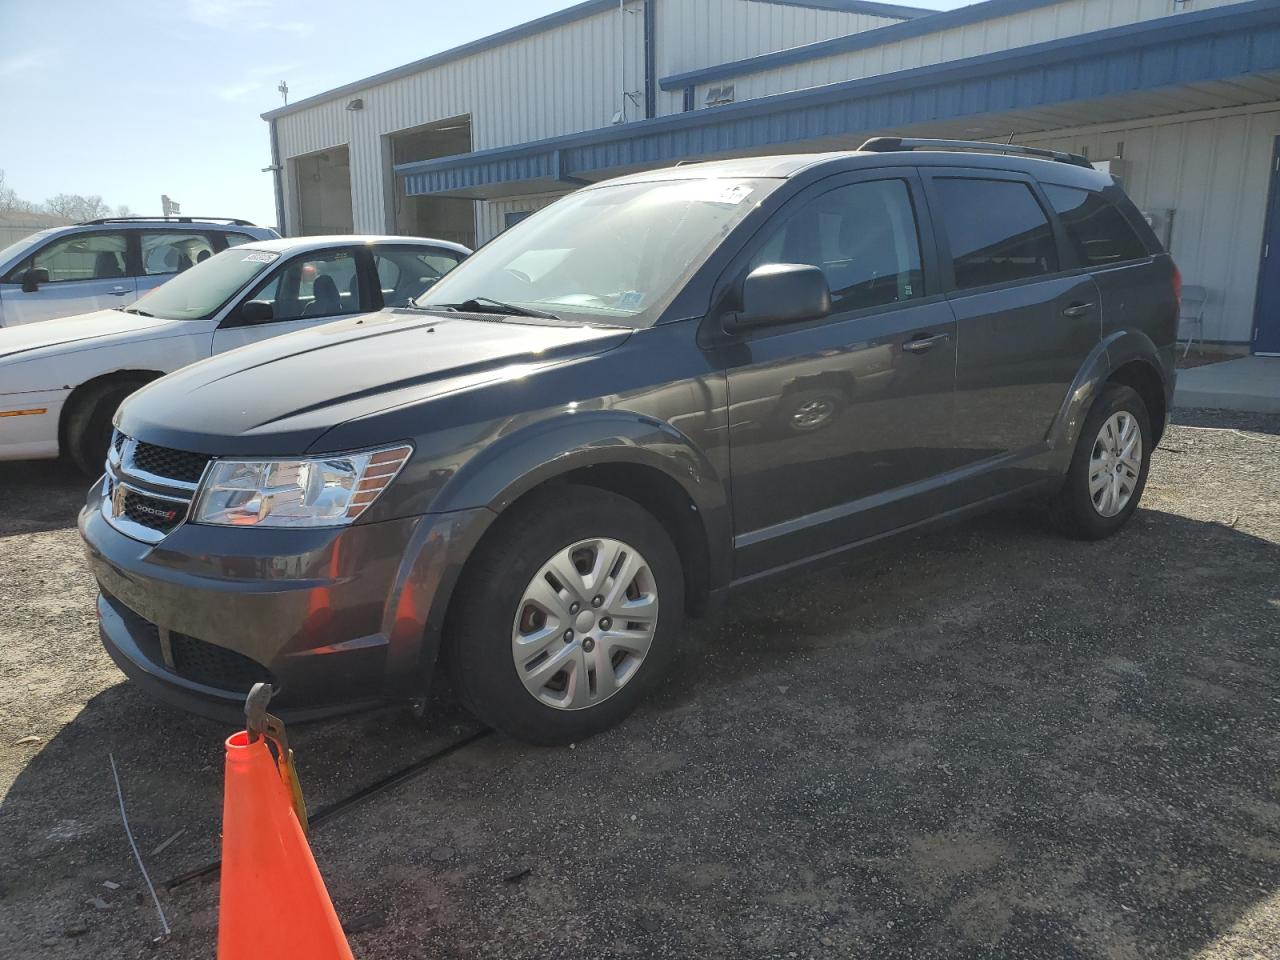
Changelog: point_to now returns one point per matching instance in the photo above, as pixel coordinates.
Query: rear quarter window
(1097, 229)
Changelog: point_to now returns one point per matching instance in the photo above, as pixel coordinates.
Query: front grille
(215, 666)
(151, 512)
(148, 489)
(169, 463)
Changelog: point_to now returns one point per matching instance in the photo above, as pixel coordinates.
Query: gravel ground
(983, 742)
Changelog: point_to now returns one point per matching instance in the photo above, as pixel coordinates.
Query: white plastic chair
(1191, 316)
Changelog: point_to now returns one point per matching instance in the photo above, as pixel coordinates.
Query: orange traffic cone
(274, 904)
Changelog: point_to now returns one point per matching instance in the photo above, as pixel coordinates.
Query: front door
(839, 428)
(1266, 315)
(308, 290)
(1025, 323)
(87, 271)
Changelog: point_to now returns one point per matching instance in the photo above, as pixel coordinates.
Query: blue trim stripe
(975, 13)
(1208, 45)
(550, 21)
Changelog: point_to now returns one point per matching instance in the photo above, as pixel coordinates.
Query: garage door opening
(324, 192)
(444, 218)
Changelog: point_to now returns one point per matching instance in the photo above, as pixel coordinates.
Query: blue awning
(1187, 50)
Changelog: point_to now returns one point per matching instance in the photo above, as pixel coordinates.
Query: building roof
(552, 20)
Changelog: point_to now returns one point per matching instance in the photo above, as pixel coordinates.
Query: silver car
(107, 263)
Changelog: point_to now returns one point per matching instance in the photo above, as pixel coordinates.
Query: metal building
(1179, 98)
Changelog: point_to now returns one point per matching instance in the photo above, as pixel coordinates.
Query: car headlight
(325, 491)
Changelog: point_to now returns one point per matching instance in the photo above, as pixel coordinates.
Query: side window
(165, 251)
(83, 256)
(320, 285)
(1098, 230)
(405, 274)
(235, 239)
(863, 236)
(997, 231)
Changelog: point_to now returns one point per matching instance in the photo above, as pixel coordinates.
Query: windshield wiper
(490, 305)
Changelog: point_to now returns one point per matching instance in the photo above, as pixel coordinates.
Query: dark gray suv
(657, 391)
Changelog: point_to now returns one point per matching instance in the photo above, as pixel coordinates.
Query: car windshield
(199, 292)
(611, 254)
(15, 250)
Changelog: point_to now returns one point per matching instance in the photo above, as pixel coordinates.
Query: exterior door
(839, 429)
(1024, 324)
(87, 271)
(304, 292)
(1266, 316)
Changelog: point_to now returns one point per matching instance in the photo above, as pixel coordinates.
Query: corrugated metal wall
(491, 216)
(1069, 18)
(702, 33)
(1213, 171)
(559, 81)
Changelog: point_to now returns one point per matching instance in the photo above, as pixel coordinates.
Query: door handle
(1077, 310)
(119, 291)
(921, 343)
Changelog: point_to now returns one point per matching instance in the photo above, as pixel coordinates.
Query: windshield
(611, 254)
(200, 291)
(15, 250)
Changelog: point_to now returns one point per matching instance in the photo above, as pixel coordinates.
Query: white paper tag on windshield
(728, 193)
(261, 256)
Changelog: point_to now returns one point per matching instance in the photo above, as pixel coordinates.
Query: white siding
(1069, 18)
(691, 34)
(559, 81)
(1213, 170)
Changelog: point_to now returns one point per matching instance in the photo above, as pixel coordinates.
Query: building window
(509, 220)
(718, 95)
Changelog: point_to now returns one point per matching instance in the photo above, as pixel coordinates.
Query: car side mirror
(256, 311)
(781, 293)
(32, 279)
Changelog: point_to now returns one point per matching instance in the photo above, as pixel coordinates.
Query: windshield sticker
(630, 300)
(261, 256)
(729, 193)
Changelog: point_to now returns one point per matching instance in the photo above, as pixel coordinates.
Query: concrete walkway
(1250, 385)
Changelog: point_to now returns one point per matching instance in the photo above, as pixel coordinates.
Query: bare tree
(73, 206)
(10, 202)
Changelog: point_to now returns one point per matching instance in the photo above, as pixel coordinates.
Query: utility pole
(284, 92)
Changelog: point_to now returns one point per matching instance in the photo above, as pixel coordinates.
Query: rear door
(1026, 320)
(87, 271)
(305, 291)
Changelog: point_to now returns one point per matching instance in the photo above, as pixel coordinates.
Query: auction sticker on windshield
(261, 256)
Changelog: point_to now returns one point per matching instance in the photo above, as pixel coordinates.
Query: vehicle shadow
(39, 495)
(984, 738)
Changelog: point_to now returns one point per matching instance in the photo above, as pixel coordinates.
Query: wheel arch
(93, 385)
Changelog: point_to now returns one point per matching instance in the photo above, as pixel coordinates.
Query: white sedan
(61, 380)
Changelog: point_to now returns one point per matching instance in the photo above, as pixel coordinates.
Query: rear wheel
(89, 423)
(1109, 467)
(568, 615)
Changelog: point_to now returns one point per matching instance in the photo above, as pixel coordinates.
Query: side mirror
(781, 293)
(256, 311)
(32, 279)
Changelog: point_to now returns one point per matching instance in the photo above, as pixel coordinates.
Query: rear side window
(997, 231)
(404, 274)
(863, 237)
(235, 239)
(1097, 228)
(166, 251)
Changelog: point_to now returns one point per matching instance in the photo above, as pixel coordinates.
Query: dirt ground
(984, 742)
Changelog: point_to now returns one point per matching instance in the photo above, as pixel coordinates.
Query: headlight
(316, 492)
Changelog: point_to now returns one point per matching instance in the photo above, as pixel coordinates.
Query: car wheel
(567, 616)
(89, 424)
(1109, 467)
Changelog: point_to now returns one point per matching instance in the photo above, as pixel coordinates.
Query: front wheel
(1108, 470)
(567, 615)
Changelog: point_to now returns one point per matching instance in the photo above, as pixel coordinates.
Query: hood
(279, 396)
(30, 341)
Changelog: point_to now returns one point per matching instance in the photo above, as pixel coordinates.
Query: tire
(1090, 515)
(89, 424)
(495, 610)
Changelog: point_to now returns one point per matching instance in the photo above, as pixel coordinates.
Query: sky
(132, 99)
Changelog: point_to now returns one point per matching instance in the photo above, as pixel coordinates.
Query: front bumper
(29, 424)
(334, 619)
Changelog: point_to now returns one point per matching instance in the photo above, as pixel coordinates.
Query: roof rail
(234, 221)
(894, 144)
